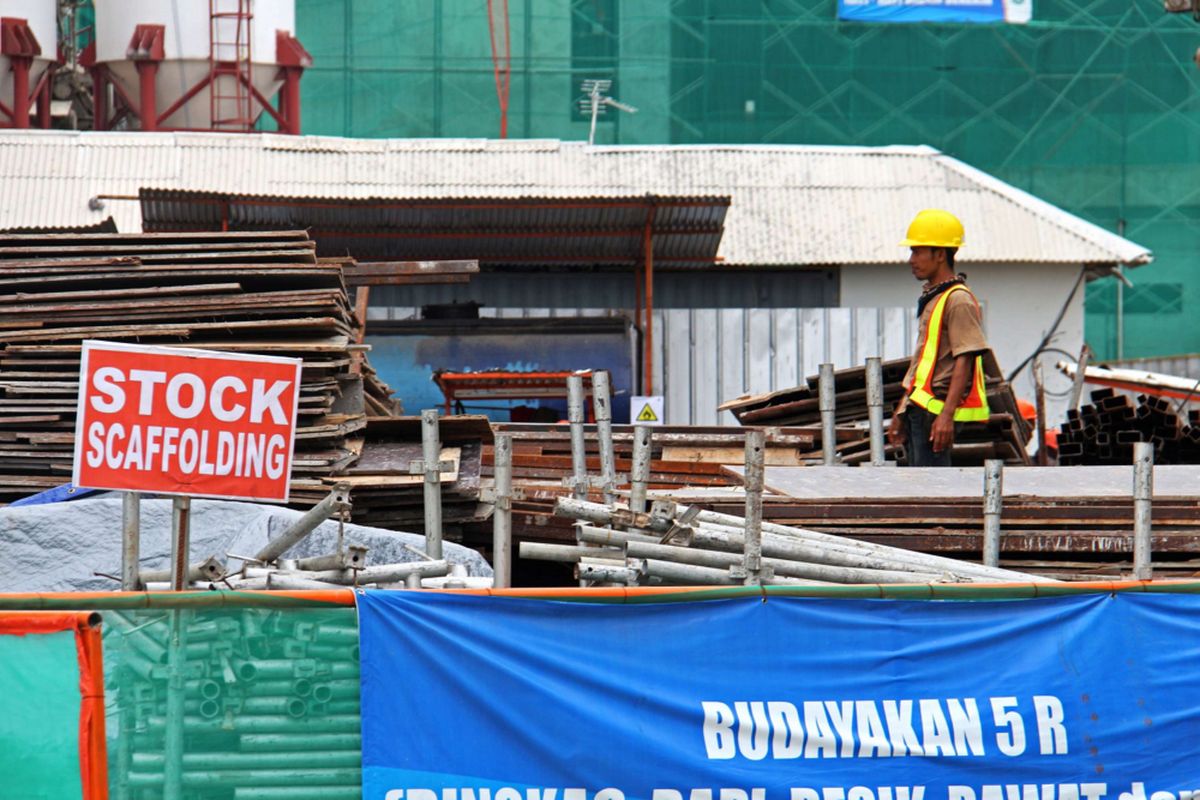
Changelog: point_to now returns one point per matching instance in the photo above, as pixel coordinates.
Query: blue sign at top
(1017, 11)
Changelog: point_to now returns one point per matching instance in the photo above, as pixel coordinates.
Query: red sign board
(172, 420)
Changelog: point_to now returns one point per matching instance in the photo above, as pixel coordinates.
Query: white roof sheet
(800, 204)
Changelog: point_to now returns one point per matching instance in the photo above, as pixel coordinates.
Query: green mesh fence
(1093, 106)
(39, 717)
(270, 703)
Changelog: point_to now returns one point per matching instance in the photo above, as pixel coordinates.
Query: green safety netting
(270, 703)
(39, 716)
(1093, 106)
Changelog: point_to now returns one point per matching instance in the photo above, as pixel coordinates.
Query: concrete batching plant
(28, 44)
(196, 64)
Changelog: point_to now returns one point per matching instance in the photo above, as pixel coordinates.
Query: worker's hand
(941, 434)
(895, 432)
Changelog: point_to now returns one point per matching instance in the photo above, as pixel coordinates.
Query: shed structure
(807, 269)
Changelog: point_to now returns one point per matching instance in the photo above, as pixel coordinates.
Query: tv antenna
(596, 102)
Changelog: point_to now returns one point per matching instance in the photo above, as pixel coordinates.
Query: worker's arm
(941, 435)
(896, 433)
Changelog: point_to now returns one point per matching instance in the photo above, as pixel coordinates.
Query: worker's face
(926, 262)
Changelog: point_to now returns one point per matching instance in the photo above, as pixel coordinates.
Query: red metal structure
(18, 43)
(498, 34)
(229, 65)
(233, 96)
(507, 385)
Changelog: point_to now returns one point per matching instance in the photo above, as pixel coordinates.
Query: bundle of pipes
(1105, 431)
(801, 405)
(264, 701)
(1074, 523)
(686, 545)
(259, 293)
(345, 566)
(850, 398)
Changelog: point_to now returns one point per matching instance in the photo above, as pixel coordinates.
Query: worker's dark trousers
(919, 423)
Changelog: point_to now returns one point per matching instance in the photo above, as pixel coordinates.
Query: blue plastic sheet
(1091, 697)
(935, 10)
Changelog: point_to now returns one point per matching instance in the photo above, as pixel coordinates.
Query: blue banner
(936, 10)
(1091, 697)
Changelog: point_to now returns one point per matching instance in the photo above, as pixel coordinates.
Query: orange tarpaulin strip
(93, 758)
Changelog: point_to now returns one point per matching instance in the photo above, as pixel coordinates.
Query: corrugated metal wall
(704, 356)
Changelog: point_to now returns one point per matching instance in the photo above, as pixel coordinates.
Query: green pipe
(333, 652)
(297, 793)
(299, 742)
(211, 779)
(311, 759)
(246, 723)
(338, 707)
(129, 601)
(339, 634)
(291, 706)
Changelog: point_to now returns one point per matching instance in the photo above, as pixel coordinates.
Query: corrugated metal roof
(802, 204)
(506, 231)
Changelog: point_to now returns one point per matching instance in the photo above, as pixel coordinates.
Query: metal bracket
(738, 572)
(488, 495)
(417, 467)
(595, 482)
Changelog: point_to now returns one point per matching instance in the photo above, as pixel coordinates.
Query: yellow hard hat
(934, 228)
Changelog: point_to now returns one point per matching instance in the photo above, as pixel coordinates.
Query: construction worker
(945, 382)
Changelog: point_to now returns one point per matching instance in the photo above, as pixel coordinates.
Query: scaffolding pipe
(352, 557)
(756, 445)
(335, 502)
(875, 409)
(1143, 491)
(210, 569)
(131, 531)
(564, 553)
(602, 406)
(607, 573)
(828, 407)
(578, 446)
(502, 515)
(639, 478)
(993, 501)
(816, 574)
(431, 454)
(176, 652)
(820, 542)
(723, 550)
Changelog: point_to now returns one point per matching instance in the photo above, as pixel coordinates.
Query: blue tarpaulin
(1090, 697)
(935, 10)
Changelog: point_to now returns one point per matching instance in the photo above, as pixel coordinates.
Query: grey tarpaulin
(58, 547)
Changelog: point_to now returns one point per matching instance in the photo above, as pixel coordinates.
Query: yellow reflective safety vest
(975, 407)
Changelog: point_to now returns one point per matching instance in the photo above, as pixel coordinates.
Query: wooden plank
(775, 456)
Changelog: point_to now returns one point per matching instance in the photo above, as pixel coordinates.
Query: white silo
(28, 47)
(198, 64)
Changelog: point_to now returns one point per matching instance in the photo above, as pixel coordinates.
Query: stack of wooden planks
(1105, 430)
(386, 491)
(691, 457)
(252, 292)
(1005, 435)
(1070, 523)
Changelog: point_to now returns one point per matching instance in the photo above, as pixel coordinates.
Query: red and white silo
(28, 49)
(197, 64)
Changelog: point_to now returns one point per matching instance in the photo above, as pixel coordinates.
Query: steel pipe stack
(270, 703)
(682, 545)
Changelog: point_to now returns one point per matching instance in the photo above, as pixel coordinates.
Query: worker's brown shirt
(962, 332)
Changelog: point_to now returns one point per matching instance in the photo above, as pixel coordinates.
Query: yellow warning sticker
(647, 414)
